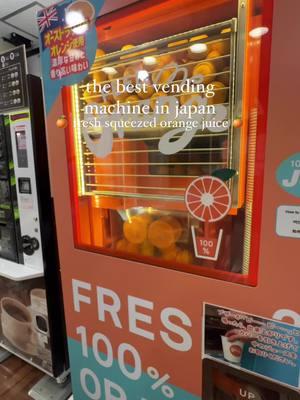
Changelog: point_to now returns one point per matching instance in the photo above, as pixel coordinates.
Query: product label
(259, 345)
(68, 42)
(288, 221)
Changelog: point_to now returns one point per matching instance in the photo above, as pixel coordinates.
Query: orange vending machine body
(157, 126)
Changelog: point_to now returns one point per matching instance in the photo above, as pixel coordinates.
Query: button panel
(13, 89)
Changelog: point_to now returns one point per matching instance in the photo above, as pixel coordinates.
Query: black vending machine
(31, 312)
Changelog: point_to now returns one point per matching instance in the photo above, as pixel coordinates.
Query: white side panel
(22, 147)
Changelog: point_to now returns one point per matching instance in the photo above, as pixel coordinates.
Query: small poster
(288, 221)
(24, 323)
(66, 44)
(255, 344)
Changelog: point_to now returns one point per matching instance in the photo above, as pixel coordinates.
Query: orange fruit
(127, 47)
(222, 46)
(219, 63)
(62, 122)
(175, 224)
(130, 74)
(147, 249)
(135, 230)
(127, 247)
(122, 245)
(133, 98)
(133, 248)
(146, 218)
(161, 235)
(207, 70)
(100, 53)
(170, 253)
(163, 60)
(220, 93)
(155, 97)
(162, 76)
(121, 97)
(99, 76)
(213, 54)
(164, 232)
(147, 93)
(184, 257)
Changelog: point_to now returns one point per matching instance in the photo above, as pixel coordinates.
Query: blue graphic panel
(111, 383)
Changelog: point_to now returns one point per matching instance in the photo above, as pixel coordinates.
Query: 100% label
(110, 390)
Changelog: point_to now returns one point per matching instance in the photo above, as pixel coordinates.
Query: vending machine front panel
(155, 192)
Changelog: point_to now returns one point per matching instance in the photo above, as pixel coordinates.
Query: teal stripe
(135, 390)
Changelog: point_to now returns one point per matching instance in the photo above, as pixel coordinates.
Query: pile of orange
(154, 237)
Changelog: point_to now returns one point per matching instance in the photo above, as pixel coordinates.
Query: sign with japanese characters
(67, 52)
(68, 40)
(259, 345)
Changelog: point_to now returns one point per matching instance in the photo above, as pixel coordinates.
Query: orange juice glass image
(232, 350)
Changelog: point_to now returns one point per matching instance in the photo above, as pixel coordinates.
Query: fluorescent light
(198, 48)
(257, 33)
(150, 61)
(77, 22)
(109, 70)
(143, 75)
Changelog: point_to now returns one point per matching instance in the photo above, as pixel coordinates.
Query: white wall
(4, 45)
(34, 67)
(33, 62)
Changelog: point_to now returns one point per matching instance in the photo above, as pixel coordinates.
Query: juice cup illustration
(232, 350)
(208, 199)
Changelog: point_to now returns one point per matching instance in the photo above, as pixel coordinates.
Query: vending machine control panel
(13, 89)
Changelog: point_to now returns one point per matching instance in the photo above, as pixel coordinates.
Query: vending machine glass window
(223, 382)
(166, 136)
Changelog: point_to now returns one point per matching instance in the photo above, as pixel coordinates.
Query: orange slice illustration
(208, 199)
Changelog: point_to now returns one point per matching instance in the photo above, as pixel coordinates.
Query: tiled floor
(16, 378)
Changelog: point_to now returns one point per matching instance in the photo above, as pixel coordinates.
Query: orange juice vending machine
(175, 194)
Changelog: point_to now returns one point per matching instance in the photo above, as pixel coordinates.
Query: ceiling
(20, 16)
